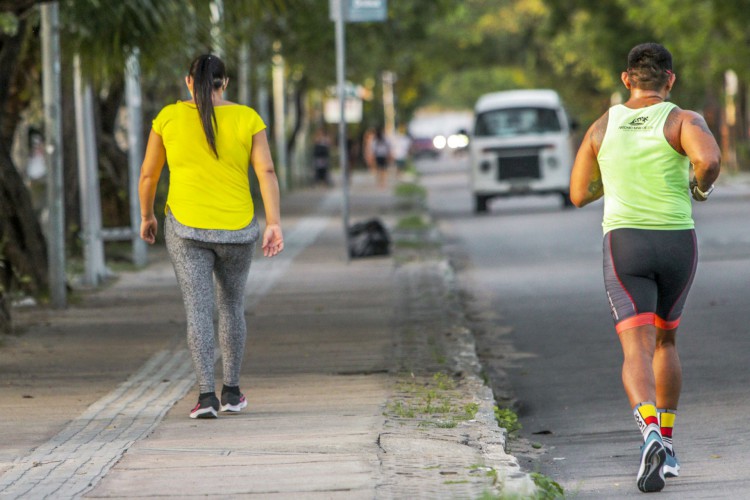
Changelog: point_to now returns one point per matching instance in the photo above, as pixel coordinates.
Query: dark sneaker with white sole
(232, 402)
(651, 471)
(207, 407)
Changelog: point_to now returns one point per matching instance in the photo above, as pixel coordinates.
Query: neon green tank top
(645, 180)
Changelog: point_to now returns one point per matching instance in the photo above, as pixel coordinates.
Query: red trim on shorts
(635, 321)
(667, 325)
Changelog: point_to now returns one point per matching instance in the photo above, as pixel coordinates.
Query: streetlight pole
(341, 93)
(341, 12)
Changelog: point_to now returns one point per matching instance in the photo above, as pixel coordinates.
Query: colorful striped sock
(666, 423)
(647, 418)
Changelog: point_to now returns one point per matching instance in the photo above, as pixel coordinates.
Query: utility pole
(279, 116)
(88, 175)
(729, 121)
(389, 109)
(217, 19)
(53, 151)
(134, 104)
(243, 74)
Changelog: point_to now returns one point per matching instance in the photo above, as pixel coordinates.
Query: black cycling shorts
(647, 275)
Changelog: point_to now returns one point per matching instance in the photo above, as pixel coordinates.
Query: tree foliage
(444, 54)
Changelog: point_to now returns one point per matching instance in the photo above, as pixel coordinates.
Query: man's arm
(585, 178)
(701, 148)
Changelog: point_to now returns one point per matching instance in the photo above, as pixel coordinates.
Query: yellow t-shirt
(204, 191)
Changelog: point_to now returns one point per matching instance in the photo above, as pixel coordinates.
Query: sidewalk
(361, 378)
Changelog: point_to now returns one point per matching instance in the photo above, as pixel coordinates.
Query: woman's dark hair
(649, 66)
(208, 74)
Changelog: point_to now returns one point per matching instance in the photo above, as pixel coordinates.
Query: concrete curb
(434, 338)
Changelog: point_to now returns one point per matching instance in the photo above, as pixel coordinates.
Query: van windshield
(516, 121)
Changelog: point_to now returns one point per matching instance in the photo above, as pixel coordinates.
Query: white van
(520, 145)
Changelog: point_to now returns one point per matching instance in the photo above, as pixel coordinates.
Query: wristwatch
(701, 195)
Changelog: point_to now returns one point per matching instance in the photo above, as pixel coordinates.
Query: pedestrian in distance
(638, 156)
(210, 228)
(400, 143)
(321, 155)
(368, 153)
(381, 151)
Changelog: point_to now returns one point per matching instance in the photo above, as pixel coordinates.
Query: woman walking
(210, 226)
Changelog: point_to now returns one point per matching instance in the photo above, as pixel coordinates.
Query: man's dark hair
(649, 66)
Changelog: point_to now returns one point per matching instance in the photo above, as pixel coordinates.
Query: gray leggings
(196, 265)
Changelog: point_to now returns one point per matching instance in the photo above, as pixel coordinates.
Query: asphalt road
(532, 276)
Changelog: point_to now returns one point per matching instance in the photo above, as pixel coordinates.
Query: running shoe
(653, 456)
(671, 465)
(232, 402)
(207, 407)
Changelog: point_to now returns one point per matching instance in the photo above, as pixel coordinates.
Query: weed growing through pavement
(470, 411)
(414, 222)
(507, 419)
(410, 189)
(547, 489)
(444, 382)
(435, 402)
(488, 471)
(401, 410)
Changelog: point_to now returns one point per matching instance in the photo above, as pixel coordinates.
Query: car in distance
(423, 147)
(521, 145)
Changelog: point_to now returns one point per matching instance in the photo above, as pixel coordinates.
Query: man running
(638, 157)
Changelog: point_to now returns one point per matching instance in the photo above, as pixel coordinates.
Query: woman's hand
(149, 227)
(273, 240)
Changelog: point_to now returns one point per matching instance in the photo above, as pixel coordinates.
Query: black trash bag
(368, 238)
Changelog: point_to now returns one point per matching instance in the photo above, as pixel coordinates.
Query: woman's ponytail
(208, 74)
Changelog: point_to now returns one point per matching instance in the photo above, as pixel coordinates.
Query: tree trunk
(299, 116)
(12, 81)
(23, 249)
(6, 325)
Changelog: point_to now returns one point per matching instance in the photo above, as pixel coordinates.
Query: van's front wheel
(480, 203)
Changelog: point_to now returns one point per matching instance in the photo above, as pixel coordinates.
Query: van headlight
(458, 141)
(439, 142)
